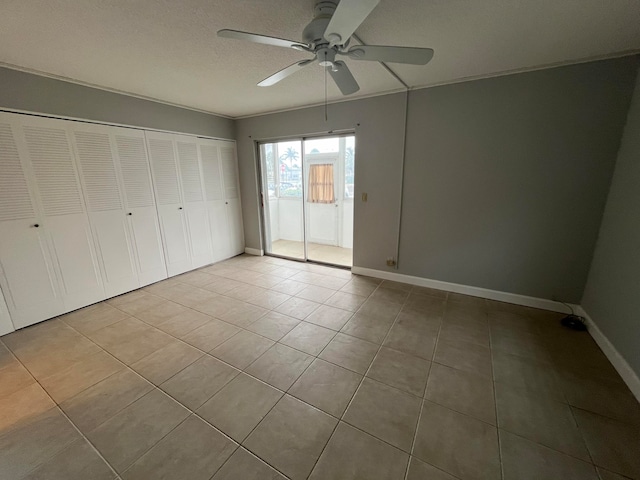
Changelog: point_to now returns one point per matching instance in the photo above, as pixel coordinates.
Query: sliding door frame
(265, 219)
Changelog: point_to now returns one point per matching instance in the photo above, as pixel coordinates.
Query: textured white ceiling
(168, 49)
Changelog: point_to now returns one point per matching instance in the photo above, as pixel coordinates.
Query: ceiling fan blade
(378, 53)
(343, 78)
(347, 18)
(255, 38)
(284, 73)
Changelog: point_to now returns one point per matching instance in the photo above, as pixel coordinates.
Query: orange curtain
(321, 184)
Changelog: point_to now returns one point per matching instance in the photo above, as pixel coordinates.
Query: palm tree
(291, 155)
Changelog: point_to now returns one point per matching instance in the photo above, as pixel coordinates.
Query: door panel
(219, 226)
(164, 168)
(140, 204)
(27, 275)
(236, 229)
(145, 232)
(72, 244)
(116, 257)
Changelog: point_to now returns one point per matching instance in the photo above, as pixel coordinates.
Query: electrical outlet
(364, 196)
(391, 262)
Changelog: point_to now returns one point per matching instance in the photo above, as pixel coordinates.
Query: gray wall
(612, 294)
(35, 93)
(505, 178)
(379, 140)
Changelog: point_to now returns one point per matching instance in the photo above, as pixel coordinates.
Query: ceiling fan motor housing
(313, 34)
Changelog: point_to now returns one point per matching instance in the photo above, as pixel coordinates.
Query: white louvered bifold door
(140, 203)
(194, 201)
(27, 276)
(60, 200)
(95, 155)
(232, 195)
(214, 194)
(162, 156)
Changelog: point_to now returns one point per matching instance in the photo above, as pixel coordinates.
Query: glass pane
(281, 164)
(329, 178)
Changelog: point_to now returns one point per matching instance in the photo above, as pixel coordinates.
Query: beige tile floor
(315, 251)
(261, 368)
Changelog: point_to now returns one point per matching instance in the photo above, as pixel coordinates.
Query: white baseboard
(619, 363)
(506, 297)
(253, 251)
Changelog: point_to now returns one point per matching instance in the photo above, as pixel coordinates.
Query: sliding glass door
(307, 198)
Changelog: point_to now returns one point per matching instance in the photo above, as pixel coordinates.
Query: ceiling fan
(327, 36)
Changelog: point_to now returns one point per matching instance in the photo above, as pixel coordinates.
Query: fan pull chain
(325, 94)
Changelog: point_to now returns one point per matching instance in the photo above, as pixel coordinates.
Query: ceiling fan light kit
(327, 36)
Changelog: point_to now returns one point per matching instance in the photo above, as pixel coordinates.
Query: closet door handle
(179, 208)
(129, 213)
(36, 225)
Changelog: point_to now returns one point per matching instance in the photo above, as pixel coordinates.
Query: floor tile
(166, 362)
(130, 340)
(94, 318)
(366, 327)
(33, 441)
(350, 352)
(79, 460)
(269, 299)
(243, 465)
(390, 295)
(280, 366)
(543, 421)
(289, 287)
(161, 313)
(385, 412)
(414, 336)
(464, 356)
(196, 278)
(130, 433)
(13, 377)
(346, 301)
(291, 437)
(80, 376)
(400, 370)
(430, 292)
(329, 317)
(140, 304)
(462, 391)
(458, 444)
(297, 307)
(239, 406)
(315, 293)
(183, 323)
(199, 381)
(308, 338)
(466, 333)
(243, 315)
(526, 460)
(193, 450)
(211, 335)
(535, 378)
(613, 445)
(606, 398)
(380, 309)
(242, 349)
(607, 475)
(418, 470)
(352, 454)
(327, 387)
(357, 287)
(99, 403)
(23, 404)
(273, 325)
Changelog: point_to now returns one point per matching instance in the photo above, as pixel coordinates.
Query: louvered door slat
(163, 163)
(190, 171)
(15, 201)
(54, 171)
(98, 171)
(229, 172)
(135, 173)
(211, 172)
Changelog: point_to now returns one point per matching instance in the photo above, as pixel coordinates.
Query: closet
(91, 211)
